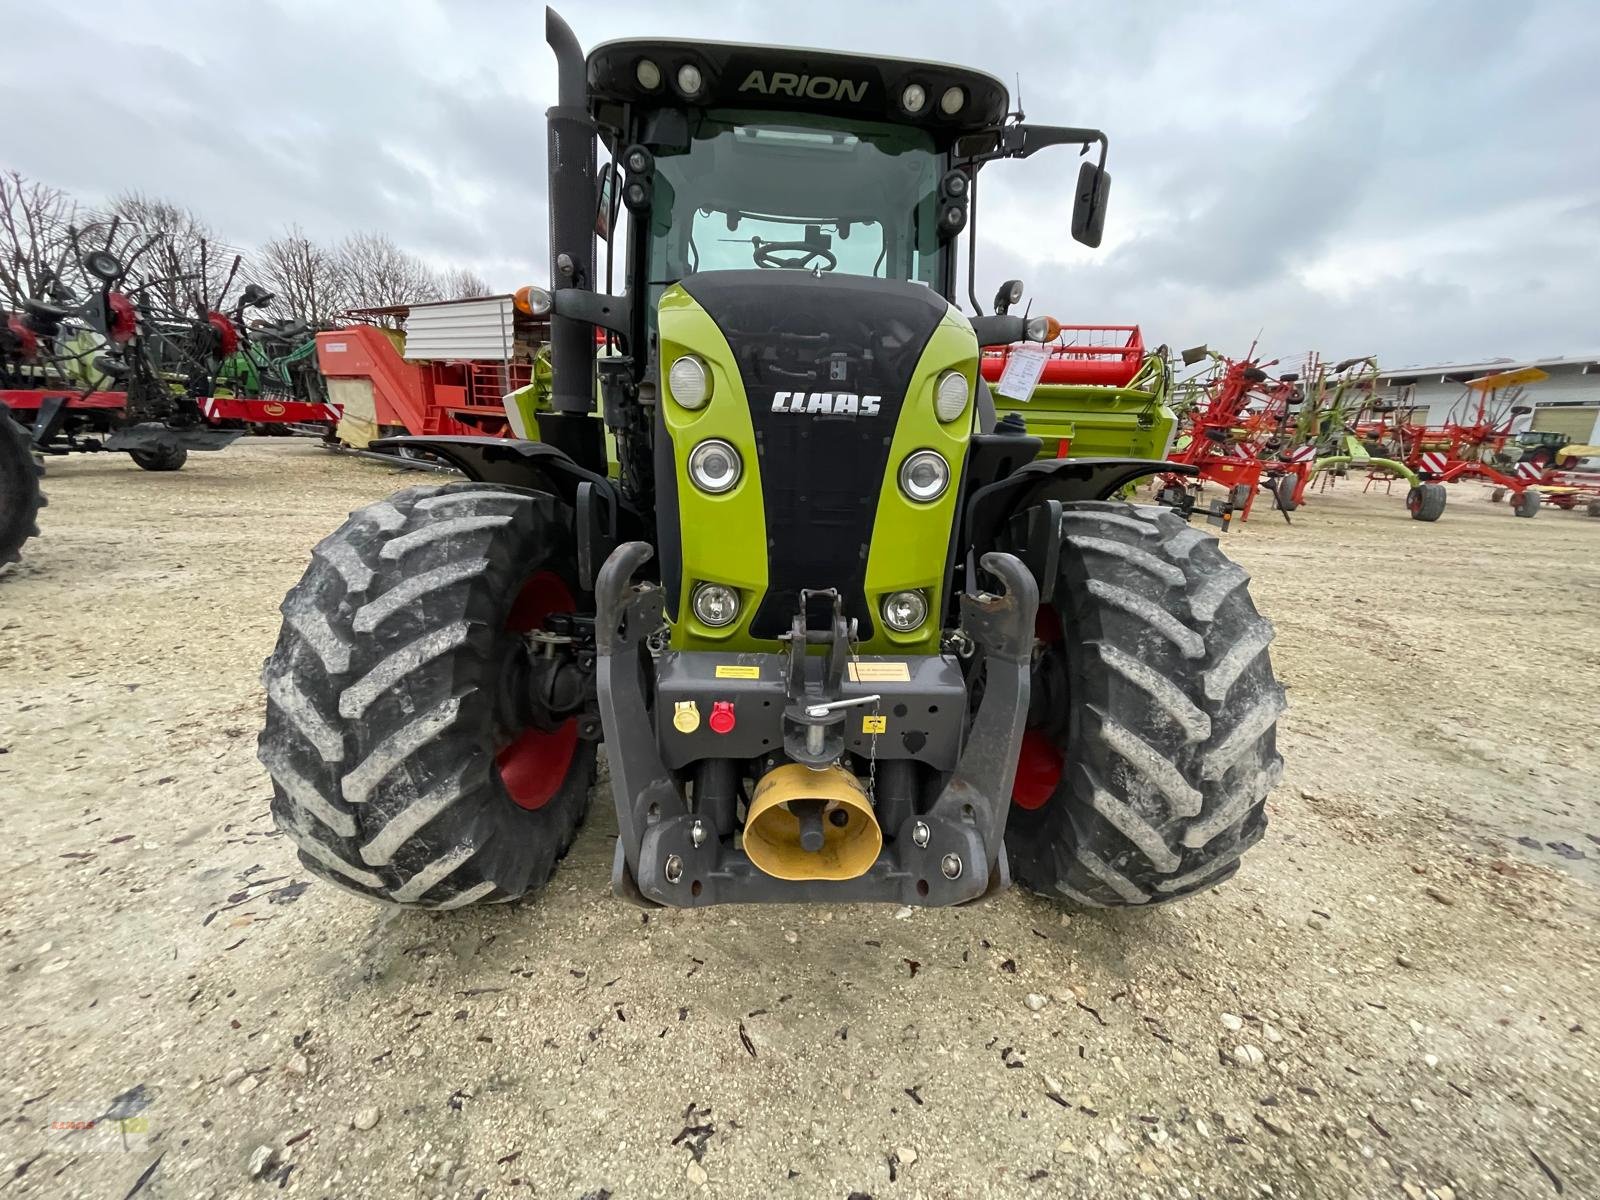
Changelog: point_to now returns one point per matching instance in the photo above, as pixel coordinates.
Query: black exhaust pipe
(572, 136)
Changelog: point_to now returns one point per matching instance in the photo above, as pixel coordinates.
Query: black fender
(603, 518)
(1066, 480)
(1021, 513)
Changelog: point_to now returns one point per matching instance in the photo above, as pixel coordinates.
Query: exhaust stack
(811, 824)
(572, 136)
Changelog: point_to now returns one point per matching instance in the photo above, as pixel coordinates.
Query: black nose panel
(826, 361)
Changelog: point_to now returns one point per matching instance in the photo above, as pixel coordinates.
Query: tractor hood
(825, 384)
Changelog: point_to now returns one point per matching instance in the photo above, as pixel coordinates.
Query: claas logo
(837, 404)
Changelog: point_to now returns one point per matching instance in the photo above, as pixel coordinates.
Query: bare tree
(185, 270)
(35, 243)
(307, 279)
(463, 283)
(378, 274)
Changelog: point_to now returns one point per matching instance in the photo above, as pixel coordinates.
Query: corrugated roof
(1584, 363)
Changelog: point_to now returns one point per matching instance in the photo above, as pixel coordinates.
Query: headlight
(904, 611)
(950, 395)
(924, 476)
(689, 382)
(716, 605)
(714, 466)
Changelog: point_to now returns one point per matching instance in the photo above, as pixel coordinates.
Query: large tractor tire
(160, 460)
(1425, 502)
(1145, 770)
(21, 495)
(1526, 503)
(396, 769)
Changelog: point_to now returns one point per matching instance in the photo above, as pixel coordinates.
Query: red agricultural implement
(1476, 441)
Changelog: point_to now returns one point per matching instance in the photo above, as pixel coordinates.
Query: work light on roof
(689, 80)
(950, 103)
(648, 75)
(914, 99)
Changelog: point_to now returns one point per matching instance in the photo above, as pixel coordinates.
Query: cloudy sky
(1415, 179)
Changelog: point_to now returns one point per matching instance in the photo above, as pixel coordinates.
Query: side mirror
(608, 194)
(1089, 207)
(1194, 354)
(1010, 293)
(255, 296)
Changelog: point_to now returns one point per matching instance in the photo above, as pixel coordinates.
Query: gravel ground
(1397, 996)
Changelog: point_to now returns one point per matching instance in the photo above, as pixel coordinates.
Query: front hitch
(950, 853)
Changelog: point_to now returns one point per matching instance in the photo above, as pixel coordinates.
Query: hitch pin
(822, 710)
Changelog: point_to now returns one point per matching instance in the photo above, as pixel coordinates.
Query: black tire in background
(160, 460)
(1425, 501)
(1526, 503)
(1283, 488)
(394, 767)
(1496, 495)
(1164, 738)
(21, 494)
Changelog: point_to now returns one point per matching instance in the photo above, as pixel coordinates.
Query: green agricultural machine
(844, 634)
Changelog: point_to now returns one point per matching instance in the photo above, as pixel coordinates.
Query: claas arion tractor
(843, 635)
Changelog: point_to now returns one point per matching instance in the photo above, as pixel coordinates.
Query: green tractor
(845, 636)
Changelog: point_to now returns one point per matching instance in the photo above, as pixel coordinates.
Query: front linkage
(669, 855)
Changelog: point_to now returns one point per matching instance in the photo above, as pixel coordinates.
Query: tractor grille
(822, 337)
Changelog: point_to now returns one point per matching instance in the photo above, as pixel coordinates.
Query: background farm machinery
(1479, 440)
(92, 361)
(1248, 431)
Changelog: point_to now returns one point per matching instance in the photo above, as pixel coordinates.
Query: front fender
(1066, 480)
(504, 460)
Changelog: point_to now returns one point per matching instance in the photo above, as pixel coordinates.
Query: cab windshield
(794, 193)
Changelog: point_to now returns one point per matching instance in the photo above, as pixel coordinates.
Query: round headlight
(950, 103)
(924, 476)
(648, 75)
(714, 466)
(689, 79)
(914, 98)
(689, 382)
(716, 605)
(904, 611)
(950, 395)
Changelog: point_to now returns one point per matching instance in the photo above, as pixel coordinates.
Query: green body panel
(1100, 422)
(724, 537)
(911, 541)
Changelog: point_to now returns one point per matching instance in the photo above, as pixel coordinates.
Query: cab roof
(791, 79)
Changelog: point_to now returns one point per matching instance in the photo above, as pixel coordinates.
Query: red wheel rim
(534, 764)
(1039, 765)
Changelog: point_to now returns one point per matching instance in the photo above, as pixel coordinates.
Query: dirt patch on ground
(1396, 996)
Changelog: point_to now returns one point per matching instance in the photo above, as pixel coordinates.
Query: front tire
(396, 770)
(21, 494)
(1145, 770)
(171, 459)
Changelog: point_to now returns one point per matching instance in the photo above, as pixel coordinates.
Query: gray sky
(1419, 180)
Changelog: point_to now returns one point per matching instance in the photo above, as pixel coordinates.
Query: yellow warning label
(874, 724)
(686, 716)
(880, 672)
(731, 671)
